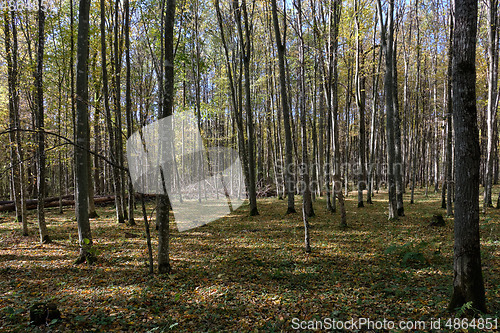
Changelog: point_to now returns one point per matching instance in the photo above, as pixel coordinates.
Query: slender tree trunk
(109, 123)
(39, 125)
(361, 105)
(334, 33)
(91, 191)
(415, 117)
(330, 204)
(98, 167)
(398, 160)
(17, 168)
(168, 104)
(373, 124)
(436, 123)
(19, 150)
(235, 101)
(128, 108)
(148, 236)
(315, 187)
(468, 285)
(306, 191)
(82, 136)
(246, 48)
(337, 187)
(449, 124)
(326, 115)
(347, 113)
(387, 31)
(120, 178)
(280, 43)
(197, 96)
(92, 212)
(491, 114)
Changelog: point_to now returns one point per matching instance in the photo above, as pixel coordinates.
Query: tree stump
(43, 313)
(437, 221)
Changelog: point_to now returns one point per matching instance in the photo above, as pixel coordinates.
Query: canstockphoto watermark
(361, 324)
(27, 5)
(169, 157)
(353, 170)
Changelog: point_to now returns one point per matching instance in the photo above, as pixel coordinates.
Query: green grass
(243, 273)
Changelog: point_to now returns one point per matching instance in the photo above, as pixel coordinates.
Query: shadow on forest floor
(243, 273)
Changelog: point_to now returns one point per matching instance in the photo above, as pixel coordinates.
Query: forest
(249, 165)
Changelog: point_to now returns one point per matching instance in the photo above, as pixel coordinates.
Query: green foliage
(410, 254)
(465, 308)
(12, 314)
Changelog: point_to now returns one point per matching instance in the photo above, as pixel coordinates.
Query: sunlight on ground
(241, 273)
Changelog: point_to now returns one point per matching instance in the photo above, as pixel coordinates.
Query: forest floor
(243, 273)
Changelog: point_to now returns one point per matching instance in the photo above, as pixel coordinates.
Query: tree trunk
(92, 212)
(334, 43)
(91, 191)
(82, 136)
(167, 109)
(449, 124)
(415, 117)
(361, 105)
(398, 160)
(120, 179)
(235, 101)
(109, 123)
(148, 236)
(128, 108)
(306, 186)
(373, 123)
(245, 49)
(337, 187)
(284, 104)
(39, 125)
(17, 167)
(387, 31)
(491, 114)
(197, 85)
(468, 283)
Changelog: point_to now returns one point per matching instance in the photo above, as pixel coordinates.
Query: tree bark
(398, 160)
(39, 125)
(491, 113)
(128, 108)
(82, 136)
(387, 32)
(245, 49)
(280, 44)
(306, 186)
(167, 109)
(109, 123)
(449, 123)
(373, 123)
(120, 179)
(333, 53)
(468, 285)
(17, 167)
(415, 117)
(235, 101)
(361, 105)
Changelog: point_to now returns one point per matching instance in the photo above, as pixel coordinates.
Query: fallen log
(54, 202)
(67, 200)
(35, 201)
